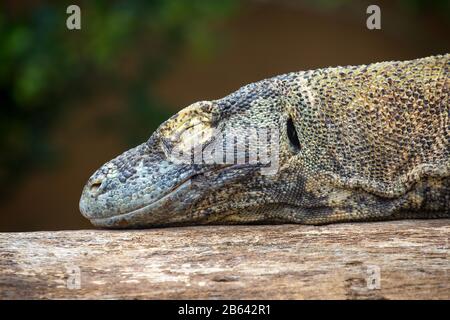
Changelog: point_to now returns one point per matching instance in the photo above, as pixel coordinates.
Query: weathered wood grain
(268, 262)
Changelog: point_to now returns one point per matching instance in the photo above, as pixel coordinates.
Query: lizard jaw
(160, 210)
(181, 198)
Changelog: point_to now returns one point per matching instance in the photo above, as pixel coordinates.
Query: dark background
(72, 100)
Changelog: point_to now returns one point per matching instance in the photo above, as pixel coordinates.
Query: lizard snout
(93, 188)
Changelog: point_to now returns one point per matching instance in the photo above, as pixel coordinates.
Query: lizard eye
(292, 134)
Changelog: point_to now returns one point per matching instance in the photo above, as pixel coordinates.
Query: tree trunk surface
(384, 260)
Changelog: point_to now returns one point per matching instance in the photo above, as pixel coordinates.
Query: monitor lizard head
(352, 143)
(221, 161)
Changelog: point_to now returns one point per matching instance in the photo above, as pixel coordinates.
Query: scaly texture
(356, 143)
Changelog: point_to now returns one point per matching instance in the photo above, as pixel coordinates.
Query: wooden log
(383, 260)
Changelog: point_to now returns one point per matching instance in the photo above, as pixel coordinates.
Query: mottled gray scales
(365, 143)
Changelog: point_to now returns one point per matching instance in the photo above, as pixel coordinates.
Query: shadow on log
(383, 260)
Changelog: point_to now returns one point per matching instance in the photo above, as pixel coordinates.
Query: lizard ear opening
(292, 135)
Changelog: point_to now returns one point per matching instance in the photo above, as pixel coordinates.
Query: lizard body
(355, 143)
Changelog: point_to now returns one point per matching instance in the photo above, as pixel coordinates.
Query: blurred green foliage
(44, 66)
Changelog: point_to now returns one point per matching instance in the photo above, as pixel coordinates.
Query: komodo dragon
(355, 143)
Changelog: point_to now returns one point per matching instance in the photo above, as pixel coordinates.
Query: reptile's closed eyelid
(215, 117)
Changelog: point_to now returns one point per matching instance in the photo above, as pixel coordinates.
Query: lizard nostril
(93, 188)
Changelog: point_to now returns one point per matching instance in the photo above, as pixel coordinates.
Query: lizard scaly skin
(355, 143)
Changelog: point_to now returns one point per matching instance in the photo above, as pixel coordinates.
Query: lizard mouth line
(184, 185)
(147, 207)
